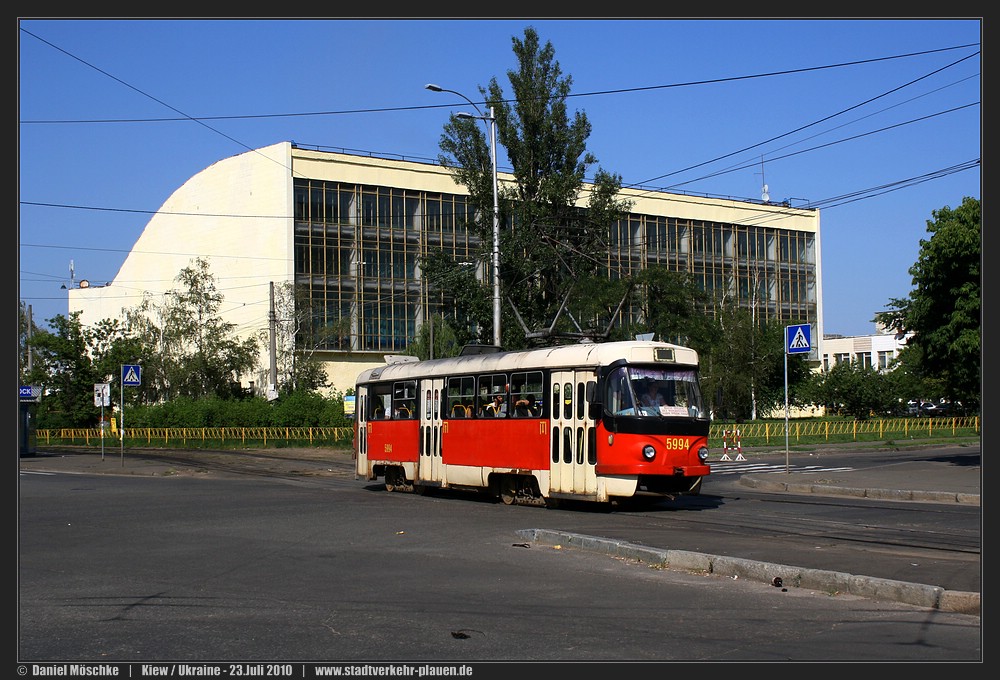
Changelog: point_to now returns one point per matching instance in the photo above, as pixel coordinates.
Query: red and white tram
(593, 421)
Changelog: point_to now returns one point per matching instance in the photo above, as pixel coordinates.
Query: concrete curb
(769, 484)
(831, 582)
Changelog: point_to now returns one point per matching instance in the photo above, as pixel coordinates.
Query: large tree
(547, 243)
(62, 366)
(743, 364)
(297, 339)
(197, 352)
(944, 310)
(674, 308)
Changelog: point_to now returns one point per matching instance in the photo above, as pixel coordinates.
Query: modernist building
(349, 230)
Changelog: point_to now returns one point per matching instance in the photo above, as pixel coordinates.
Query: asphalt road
(726, 518)
(306, 563)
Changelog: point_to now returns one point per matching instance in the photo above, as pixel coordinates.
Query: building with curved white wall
(348, 230)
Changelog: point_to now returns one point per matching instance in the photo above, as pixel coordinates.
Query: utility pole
(28, 341)
(273, 377)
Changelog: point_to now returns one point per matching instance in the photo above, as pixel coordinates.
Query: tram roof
(562, 356)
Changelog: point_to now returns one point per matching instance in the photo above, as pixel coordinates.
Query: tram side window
(492, 397)
(404, 399)
(380, 401)
(619, 397)
(461, 397)
(527, 392)
(556, 400)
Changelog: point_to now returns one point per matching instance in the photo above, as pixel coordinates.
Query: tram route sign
(102, 394)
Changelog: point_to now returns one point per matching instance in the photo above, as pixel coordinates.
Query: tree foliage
(743, 365)
(435, 340)
(296, 342)
(547, 241)
(555, 279)
(196, 352)
(674, 307)
(944, 310)
(183, 346)
(62, 366)
(852, 389)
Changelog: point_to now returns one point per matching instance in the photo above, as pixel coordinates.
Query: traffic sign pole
(102, 396)
(798, 340)
(121, 425)
(786, 414)
(131, 376)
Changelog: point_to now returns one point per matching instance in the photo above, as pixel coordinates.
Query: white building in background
(348, 231)
(870, 351)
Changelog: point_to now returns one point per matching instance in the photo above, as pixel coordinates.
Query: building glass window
(884, 359)
(357, 250)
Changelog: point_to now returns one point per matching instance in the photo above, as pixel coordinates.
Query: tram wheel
(391, 478)
(508, 490)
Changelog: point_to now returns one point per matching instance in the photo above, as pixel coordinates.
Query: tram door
(573, 456)
(429, 467)
(361, 432)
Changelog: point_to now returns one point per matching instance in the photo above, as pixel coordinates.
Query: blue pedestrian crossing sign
(131, 375)
(798, 339)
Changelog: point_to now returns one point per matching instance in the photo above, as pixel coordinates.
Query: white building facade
(879, 350)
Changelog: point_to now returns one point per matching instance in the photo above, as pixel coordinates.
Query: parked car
(922, 408)
(939, 409)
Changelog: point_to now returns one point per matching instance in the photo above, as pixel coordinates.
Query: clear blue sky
(872, 121)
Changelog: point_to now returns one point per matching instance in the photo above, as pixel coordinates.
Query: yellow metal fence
(762, 433)
(770, 433)
(197, 437)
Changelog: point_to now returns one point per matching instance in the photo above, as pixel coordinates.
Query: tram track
(785, 514)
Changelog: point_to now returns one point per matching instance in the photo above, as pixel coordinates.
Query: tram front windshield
(654, 392)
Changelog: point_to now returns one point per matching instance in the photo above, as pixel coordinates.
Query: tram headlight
(703, 454)
(648, 452)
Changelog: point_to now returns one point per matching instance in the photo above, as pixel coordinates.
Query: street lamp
(496, 206)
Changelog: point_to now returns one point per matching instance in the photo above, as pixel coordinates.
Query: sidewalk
(943, 480)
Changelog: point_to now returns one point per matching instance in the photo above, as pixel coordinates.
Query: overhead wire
(830, 202)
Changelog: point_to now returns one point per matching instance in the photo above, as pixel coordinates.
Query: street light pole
(496, 202)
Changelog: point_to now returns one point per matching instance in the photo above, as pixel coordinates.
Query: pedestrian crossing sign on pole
(131, 375)
(798, 339)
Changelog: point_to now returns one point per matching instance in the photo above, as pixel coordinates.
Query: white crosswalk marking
(731, 468)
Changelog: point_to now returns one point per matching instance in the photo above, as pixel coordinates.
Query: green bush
(298, 409)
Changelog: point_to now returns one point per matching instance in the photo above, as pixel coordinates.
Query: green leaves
(944, 309)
